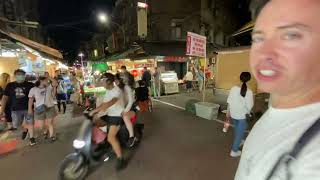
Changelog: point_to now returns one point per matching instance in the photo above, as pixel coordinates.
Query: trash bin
(207, 110)
(190, 106)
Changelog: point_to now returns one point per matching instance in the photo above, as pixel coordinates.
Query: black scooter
(87, 153)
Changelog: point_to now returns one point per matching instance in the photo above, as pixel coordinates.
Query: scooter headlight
(78, 144)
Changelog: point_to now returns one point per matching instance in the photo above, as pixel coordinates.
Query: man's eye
(257, 39)
(291, 36)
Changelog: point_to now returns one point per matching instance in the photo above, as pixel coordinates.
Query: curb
(11, 141)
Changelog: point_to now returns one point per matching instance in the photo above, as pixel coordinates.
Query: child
(142, 96)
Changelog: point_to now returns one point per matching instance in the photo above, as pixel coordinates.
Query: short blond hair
(4, 80)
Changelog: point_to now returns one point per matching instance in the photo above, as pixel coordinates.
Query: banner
(196, 45)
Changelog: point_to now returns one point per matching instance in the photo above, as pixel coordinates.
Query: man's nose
(267, 50)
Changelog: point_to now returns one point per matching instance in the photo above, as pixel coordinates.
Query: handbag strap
(303, 141)
(45, 95)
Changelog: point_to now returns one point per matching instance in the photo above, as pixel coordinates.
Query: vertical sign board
(142, 14)
(197, 46)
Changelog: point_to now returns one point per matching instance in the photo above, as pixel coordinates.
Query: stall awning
(34, 45)
(248, 27)
(168, 49)
(176, 48)
(121, 55)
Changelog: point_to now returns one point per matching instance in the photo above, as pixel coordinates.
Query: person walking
(44, 110)
(240, 103)
(76, 90)
(189, 78)
(4, 81)
(284, 58)
(62, 94)
(200, 77)
(16, 98)
(146, 77)
(156, 77)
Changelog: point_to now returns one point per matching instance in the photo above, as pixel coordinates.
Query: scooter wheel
(68, 170)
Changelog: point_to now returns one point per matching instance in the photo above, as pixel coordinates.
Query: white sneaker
(235, 154)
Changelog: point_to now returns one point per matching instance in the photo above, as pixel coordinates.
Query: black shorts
(189, 84)
(112, 121)
(61, 97)
(7, 112)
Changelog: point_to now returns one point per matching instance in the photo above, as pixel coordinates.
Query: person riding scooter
(112, 107)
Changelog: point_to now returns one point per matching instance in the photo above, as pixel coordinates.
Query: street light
(103, 18)
(81, 55)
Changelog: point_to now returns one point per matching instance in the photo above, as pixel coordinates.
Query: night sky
(69, 22)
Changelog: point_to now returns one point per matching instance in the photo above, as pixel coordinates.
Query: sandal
(45, 135)
(53, 139)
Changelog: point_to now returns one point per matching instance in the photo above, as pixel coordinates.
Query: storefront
(34, 58)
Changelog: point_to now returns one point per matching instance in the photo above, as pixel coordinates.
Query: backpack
(60, 88)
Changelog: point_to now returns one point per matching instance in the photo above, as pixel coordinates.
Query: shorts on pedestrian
(112, 121)
(19, 116)
(49, 113)
(189, 84)
(8, 112)
(61, 97)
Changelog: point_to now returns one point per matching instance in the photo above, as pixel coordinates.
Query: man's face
(285, 49)
(20, 77)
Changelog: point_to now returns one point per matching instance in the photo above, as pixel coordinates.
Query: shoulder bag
(42, 108)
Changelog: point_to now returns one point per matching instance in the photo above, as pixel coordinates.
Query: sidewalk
(11, 141)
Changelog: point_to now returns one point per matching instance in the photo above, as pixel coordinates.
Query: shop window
(176, 29)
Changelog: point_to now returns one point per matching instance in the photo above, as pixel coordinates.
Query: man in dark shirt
(16, 94)
(146, 77)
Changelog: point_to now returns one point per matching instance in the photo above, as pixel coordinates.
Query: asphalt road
(176, 146)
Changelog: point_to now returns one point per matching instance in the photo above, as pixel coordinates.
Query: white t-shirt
(239, 106)
(116, 109)
(275, 134)
(128, 98)
(189, 76)
(42, 96)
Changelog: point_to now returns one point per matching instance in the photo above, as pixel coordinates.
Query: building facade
(170, 20)
(21, 17)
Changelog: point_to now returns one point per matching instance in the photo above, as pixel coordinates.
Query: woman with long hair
(4, 80)
(112, 108)
(44, 109)
(240, 103)
(127, 87)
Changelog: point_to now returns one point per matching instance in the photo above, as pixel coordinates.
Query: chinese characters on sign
(196, 45)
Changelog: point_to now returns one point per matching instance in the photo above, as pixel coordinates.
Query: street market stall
(169, 82)
(19, 52)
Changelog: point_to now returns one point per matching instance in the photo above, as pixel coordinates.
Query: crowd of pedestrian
(24, 101)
